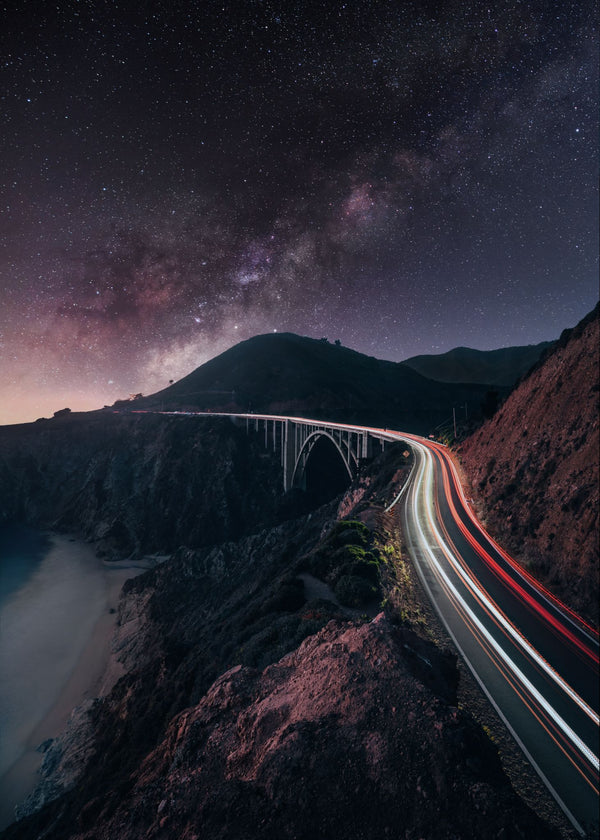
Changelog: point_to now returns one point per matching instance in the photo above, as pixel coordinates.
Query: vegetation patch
(355, 591)
(349, 562)
(401, 601)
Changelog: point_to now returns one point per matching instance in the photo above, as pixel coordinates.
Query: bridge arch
(323, 467)
(297, 438)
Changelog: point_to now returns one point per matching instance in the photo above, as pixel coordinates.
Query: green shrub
(345, 553)
(367, 569)
(349, 532)
(354, 591)
(353, 552)
(319, 564)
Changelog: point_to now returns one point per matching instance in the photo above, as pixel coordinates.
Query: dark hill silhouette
(286, 373)
(501, 367)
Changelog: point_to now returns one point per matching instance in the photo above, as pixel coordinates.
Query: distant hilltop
(283, 373)
(501, 367)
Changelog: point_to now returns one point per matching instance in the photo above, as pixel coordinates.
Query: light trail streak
(451, 549)
(539, 714)
(538, 587)
(523, 679)
(552, 601)
(501, 621)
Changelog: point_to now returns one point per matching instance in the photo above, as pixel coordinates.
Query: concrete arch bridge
(308, 447)
(534, 658)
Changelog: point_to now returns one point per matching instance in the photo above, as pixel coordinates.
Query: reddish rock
(534, 466)
(339, 739)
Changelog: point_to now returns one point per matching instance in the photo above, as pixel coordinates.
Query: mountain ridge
(503, 367)
(284, 373)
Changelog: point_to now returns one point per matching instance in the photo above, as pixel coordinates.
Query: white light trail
(424, 484)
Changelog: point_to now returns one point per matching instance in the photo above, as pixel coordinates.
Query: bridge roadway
(536, 661)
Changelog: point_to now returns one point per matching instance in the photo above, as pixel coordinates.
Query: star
(327, 173)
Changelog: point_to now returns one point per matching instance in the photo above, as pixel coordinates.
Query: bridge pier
(294, 440)
(288, 446)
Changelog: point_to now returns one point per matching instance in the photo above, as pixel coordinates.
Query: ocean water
(52, 592)
(21, 550)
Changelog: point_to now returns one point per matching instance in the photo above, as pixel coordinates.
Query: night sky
(176, 177)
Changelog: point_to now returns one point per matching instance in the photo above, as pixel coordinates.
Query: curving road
(535, 660)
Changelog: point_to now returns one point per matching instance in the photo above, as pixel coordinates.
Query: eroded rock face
(339, 739)
(535, 467)
(137, 484)
(250, 707)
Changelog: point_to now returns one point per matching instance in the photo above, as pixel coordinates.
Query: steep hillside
(501, 367)
(303, 751)
(288, 374)
(260, 701)
(137, 484)
(534, 466)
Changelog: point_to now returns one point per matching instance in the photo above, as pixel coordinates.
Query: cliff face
(534, 466)
(259, 701)
(137, 484)
(339, 739)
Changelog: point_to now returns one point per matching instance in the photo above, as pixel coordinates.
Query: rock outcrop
(137, 484)
(534, 466)
(355, 735)
(254, 704)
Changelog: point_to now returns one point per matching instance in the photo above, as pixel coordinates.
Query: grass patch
(348, 561)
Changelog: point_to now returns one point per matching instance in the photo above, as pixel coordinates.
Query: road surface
(535, 660)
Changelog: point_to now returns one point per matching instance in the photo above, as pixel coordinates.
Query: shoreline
(148, 561)
(94, 674)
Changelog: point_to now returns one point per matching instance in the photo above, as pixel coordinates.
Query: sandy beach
(94, 674)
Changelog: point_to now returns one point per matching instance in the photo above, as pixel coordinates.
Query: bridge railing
(292, 437)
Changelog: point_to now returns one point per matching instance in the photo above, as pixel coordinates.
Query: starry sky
(176, 177)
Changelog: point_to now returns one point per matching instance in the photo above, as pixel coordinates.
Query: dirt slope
(534, 469)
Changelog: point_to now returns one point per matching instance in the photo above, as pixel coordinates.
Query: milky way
(403, 176)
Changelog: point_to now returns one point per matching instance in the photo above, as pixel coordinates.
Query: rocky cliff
(534, 468)
(341, 738)
(260, 699)
(137, 484)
